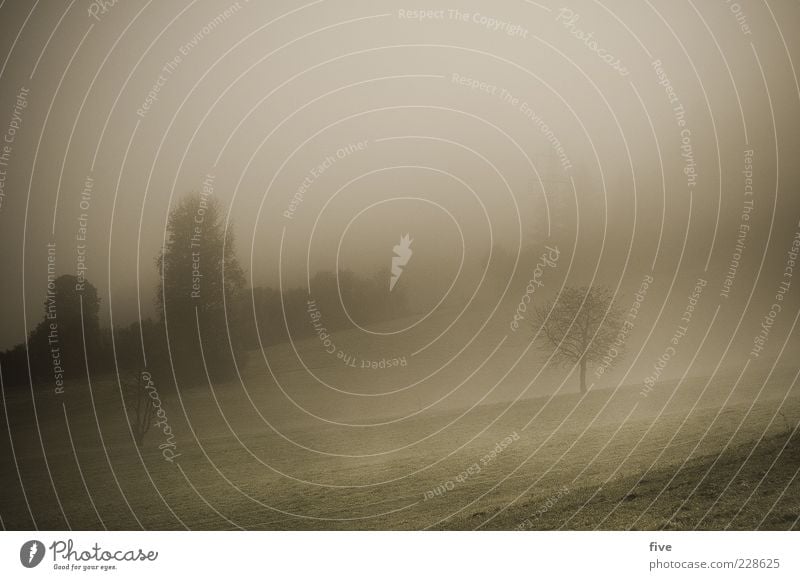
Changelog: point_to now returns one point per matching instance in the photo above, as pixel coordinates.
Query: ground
(708, 453)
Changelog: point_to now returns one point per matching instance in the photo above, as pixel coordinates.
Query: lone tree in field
(580, 326)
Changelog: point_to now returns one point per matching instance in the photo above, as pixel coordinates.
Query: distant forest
(206, 316)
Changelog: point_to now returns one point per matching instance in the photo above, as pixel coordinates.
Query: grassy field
(622, 465)
(707, 453)
(752, 486)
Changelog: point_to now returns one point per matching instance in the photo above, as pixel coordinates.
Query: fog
(444, 128)
(366, 264)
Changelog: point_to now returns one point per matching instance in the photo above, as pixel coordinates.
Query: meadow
(705, 452)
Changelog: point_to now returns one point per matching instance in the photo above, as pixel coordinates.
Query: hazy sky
(435, 127)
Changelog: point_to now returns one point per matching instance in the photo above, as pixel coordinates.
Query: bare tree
(139, 405)
(580, 326)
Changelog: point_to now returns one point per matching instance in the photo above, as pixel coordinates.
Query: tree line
(206, 317)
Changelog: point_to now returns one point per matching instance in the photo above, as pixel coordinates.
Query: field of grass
(615, 459)
(701, 452)
(752, 486)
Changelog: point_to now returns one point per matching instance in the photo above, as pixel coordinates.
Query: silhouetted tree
(199, 275)
(71, 321)
(367, 300)
(580, 326)
(14, 366)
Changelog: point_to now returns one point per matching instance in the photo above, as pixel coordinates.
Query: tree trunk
(583, 375)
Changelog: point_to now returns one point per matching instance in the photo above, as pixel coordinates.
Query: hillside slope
(747, 487)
